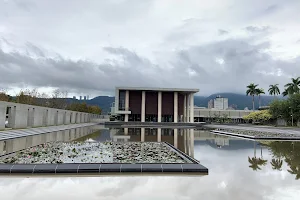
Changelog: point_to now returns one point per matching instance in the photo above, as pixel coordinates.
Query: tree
(259, 91)
(276, 164)
(293, 87)
(27, 97)
(254, 163)
(4, 96)
(59, 99)
(274, 90)
(261, 116)
(251, 90)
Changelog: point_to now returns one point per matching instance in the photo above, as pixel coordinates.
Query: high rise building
(210, 104)
(74, 97)
(220, 103)
(80, 98)
(84, 98)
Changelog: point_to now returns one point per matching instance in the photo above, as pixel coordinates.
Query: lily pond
(238, 168)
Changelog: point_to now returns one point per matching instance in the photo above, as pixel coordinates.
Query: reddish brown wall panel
(167, 103)
(135, 102)
(151, 103)
(180, 104)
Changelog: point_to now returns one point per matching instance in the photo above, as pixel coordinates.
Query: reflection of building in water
(179, 138)
(219, 141)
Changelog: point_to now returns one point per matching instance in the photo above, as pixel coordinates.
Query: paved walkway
(267, 129)
(16, 133)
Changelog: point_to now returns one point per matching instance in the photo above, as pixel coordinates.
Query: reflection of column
(184, 108)
(142, 134)
(175, 106)
(143, 109)
(126, 104)
(176, 138)
(192, 108)
(125, 131)
(159, 107)
(184, 141)
(192, 142)
(159, 135)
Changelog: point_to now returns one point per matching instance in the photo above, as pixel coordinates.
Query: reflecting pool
(238, 169)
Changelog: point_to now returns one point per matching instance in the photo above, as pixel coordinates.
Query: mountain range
(240, 101)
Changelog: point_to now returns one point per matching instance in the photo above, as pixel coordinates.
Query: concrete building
(210, 104)
(155, 104)
(220, 103)
(207, 115)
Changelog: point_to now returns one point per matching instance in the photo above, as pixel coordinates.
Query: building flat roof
(159, 89)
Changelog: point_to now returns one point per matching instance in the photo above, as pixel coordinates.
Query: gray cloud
(255, 29)
(222, 32)
(271, 9)
(93, 47)
(215, 67)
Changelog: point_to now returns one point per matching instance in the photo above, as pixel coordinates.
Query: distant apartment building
(220, 103)
(210, 104)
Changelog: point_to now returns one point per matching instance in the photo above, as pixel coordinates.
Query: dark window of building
(122, 95)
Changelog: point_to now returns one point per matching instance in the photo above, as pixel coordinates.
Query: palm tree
(295, 170)
(276, 164)
(262, 162)
(259, 91)
(254, 163)
(293, 87)
(274, 90)
(252, 90)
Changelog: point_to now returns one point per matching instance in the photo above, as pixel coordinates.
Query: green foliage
(289, 152)
(274, 90)
(292, 88)
(83, 107)
(285, 108)
(251, 89)
(258, 116)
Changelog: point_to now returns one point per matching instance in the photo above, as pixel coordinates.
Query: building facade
(210, 104)
(220, 103)
(155, 104)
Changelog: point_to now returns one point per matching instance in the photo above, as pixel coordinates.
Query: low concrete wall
(24, 116)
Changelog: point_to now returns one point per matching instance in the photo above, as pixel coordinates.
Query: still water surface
(238, 169)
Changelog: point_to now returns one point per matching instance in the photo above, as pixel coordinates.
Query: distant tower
(88, 98)
(74, 97)
(84, 98)
(80, 98)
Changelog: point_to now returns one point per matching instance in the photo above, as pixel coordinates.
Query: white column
(159, 135)
(143, 109)
(192, 108)
(159, 106)
(125, 131)
(126, 104)
(184, 108)
(142, 134)
(175, 106)
(176, 138)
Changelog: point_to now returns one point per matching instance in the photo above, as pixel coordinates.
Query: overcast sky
(89, 47)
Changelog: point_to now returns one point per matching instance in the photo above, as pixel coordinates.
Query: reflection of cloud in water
(229, 178)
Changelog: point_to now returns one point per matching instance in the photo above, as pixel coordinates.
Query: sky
(90, 47)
